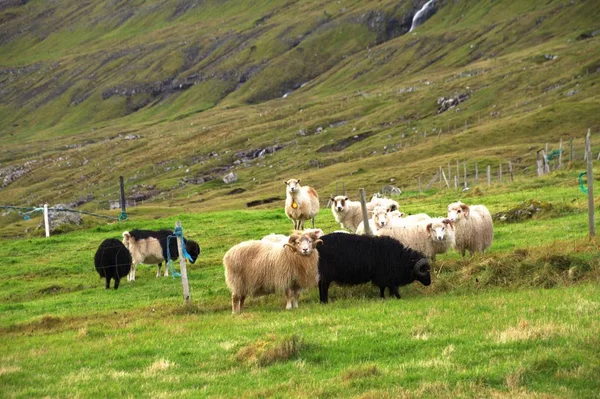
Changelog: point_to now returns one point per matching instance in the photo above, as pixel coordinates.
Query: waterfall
(419, 14)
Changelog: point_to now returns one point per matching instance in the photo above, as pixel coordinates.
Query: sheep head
(303, 243)
(338, 202)
(458, 210)
(422, 271)
(437, 230)
(193, 249)
(293, 185)
(380, 216)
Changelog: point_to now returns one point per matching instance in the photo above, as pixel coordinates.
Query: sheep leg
(296, 296)
(117, 281)
(235, 304)
(288, 296)
(166, 269)
(242, 299)
(382, 292)
(313, 223)
(394, 291)
(107, 282)
(323, 291)
(158, 269)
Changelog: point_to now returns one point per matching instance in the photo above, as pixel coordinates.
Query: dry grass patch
(365, 371)
(267, 351)
(158, 366)
(525, 331)
(9, 369)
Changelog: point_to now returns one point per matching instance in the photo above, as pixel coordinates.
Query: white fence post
(46, 220)
(182, 265)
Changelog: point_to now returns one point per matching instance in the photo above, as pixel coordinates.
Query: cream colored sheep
(473, 225)
(378, 220)
(346, 212)
(262, 267)
(431, 237)
(388, 203)
(301, 203)
(408, 220)
(282, 238)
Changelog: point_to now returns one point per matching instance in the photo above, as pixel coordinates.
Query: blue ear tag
(26, 217)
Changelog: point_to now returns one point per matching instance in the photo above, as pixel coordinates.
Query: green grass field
(519, 321)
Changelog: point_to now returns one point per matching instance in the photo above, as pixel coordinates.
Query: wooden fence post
(449, 171)
(465, 176)
(365, 215)
(571, 159)
(444, 176)
(456, 182)
(123, 202)
(510, 169)
(476, 174)
(183, 266)
(590, 182)
(420, 191)
(441, 171)
(489, 175)
(560, 150)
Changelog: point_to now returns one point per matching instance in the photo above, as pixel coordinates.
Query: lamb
(260, 267)
(431, 237)
(346, 212)
(350, 259)
(147, 246)
(301, 203)
(112, 261)
(473, 225)
(378, 220)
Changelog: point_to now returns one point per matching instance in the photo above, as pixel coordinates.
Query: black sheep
(112, 260)
(350, 259)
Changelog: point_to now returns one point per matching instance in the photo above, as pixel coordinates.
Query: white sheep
(431, 237)
(388, 203)
(378, 220)
(282, 238)
(473, 225)
(260, 267)
(301, 203)
(407, 220)
(346, 212)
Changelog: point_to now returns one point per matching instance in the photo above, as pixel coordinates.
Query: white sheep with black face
(474, 227)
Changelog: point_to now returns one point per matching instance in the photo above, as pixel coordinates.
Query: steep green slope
(169, 94)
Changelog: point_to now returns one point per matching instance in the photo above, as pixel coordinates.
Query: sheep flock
(399, 250)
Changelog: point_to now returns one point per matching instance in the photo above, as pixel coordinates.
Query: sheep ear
(345, 198)
(286, 182)
(332, 198)
(465, 209)
(449, 223)
(298, 181)
(429, 226)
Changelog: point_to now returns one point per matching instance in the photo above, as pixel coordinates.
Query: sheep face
(380, 217)
(338, 203)
(293, 185)
(439, 230)
(303, 243)
(422, 271)
(458, 211)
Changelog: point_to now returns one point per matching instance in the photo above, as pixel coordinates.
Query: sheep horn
(317, 242)
(422, 267)
(290, 246)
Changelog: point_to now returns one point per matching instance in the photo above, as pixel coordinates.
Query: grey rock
(230, 178)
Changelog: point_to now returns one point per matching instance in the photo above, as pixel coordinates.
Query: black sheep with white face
(350, 259)
(113, 261)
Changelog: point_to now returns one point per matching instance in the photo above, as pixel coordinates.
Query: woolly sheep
(112, 260)
(261, 267)
(346, 212)
(388, 203)
(350, 259)
(282, 238)
(301, 203)
(150, 247)
(474, 229)
(378, 220)
(431, 237)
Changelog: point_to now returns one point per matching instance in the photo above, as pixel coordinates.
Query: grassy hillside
(169, 93)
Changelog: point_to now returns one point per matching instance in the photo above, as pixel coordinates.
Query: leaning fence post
(182, 264)
(365, 215)
(590, 183)
(46, 220)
